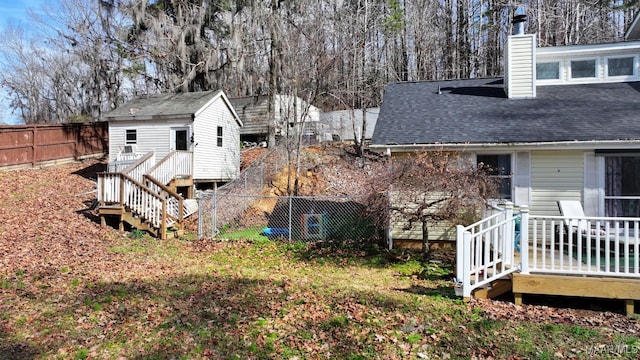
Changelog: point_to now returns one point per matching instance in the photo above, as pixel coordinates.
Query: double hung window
(499, 166)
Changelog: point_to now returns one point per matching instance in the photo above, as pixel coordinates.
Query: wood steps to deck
(147, 194)
(495, 289)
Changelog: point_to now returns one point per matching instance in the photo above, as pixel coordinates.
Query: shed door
(180, 139)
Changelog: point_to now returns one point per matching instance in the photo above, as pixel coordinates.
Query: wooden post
(34, 146)
(163, 221)
(181, 212)
(121, 200)
(629, 306)
(517, 297)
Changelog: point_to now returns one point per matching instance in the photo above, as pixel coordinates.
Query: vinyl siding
(555, 175)
(522, 178)
(152, 135)
(213, 163)
(403, 230)
(520, 66)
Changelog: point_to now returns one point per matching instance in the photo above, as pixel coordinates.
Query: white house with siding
(563, 130)
(160, 148)
(203, 123)
(563, 123)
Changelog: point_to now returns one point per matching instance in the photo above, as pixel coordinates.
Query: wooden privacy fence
(33, 145)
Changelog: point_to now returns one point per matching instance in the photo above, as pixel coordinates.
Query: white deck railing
(595, 246)
(175, 164)
(150, 200)
(124, 160)
(592, 246)
(175, 202)
(485, 251)
(135, 169)
(141, 166)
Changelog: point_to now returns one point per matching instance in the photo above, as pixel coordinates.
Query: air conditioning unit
(129, 149)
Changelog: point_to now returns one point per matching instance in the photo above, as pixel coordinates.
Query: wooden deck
(592, 287)
(603, 286)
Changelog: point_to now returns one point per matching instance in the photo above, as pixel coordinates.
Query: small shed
(203, 123)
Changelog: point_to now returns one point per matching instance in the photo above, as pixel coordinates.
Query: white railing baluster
(524, 239)
(466, 265)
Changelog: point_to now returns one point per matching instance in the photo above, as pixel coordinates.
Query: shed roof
(477, 111)
(163, 105)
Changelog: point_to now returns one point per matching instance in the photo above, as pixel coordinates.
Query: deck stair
(144, 194)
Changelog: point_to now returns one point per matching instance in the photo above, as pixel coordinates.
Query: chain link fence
(253, 179)
(242, 207)
(293, 218)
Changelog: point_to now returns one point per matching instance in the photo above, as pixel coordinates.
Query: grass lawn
(70, 289)
(238, 300)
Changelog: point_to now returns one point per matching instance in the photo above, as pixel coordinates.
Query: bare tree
(67, 68)
(428, 187)
(88, 57)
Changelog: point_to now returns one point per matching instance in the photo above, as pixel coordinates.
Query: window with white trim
(548, 70)
(620, 66)
(219, 137)
(584, 69)
(499, 166)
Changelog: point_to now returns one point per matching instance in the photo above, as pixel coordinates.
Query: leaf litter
(71, 288)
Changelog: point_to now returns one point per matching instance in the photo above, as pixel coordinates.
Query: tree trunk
(425, 241)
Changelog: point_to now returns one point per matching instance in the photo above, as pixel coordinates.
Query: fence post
(290, 215)
(200, 219)
(214, 220)
(34, 151)
(524, 239)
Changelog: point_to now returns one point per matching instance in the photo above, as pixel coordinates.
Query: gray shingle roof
(477, 111)
(163, 105)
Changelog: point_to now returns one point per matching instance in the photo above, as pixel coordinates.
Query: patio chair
(575, 225)
(572, 209)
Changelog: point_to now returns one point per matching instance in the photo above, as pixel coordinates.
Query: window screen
(583, 69)
(500, 167)
(620, 66)
(548, 71)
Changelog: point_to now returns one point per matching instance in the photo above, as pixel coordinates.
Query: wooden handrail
(113, 187)
(172, 193)
(144, 187)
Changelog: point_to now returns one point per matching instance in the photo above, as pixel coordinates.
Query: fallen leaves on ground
(73, 289)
